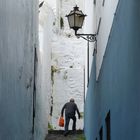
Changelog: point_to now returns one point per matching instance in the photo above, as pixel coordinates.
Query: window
(107, 121)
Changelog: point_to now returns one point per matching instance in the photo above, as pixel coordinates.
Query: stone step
(62, 132)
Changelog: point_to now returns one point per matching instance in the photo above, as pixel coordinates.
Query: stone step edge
(62, 131)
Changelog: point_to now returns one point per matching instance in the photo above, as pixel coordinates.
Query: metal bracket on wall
(88, 37)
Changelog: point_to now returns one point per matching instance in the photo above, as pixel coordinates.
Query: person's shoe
(74, 132)
(66, 133)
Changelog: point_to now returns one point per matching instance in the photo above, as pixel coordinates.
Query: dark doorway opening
(101, 133)
(108, 129)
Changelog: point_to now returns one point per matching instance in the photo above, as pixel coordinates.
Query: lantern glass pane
(79, 20)
(71, 21)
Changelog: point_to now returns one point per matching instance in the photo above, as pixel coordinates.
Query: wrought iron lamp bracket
(88, 37)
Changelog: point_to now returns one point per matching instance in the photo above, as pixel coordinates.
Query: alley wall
(18, 24)
(67, 77)
(103, 15)
(117, 90)
(68, 64)
(43, 79)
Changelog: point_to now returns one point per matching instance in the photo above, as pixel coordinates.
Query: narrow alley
(71, 61)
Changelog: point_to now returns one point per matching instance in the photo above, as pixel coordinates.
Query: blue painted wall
(118, 87)
(18, 20)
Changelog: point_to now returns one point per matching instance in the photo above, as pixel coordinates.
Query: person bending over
(70, 111)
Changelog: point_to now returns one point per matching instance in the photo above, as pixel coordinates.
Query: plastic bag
(61, 122)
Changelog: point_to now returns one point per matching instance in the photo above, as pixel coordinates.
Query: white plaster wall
(68, 52)
(46, 19)
(89, 28)
(18, 20)
(68, 85)
(68, 59)
(106, 13)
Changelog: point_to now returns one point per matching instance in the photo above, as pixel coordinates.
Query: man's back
(70, 109)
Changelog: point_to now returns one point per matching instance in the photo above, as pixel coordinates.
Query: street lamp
(76, 19)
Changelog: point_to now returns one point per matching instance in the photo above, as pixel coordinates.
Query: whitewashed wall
(68, 58)
(106, 13)
(68, 62)
(89, 28)
(18, 20)
(46, 19)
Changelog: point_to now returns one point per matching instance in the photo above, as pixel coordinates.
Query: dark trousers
(67, 119)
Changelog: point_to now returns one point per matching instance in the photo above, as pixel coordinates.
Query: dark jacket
(70, 109)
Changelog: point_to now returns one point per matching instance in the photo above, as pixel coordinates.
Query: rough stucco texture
(67, 84)
(17, 21)
(68, 77)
